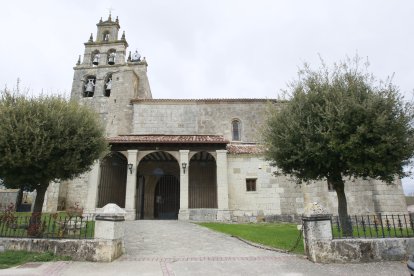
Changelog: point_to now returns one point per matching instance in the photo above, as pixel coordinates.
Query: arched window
(236, 130)
(111, 56)
(89, 86)
(95, 57)
(108, 86)
(105, 36)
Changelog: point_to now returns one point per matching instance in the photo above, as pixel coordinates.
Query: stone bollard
(317, 232)
(109, 229)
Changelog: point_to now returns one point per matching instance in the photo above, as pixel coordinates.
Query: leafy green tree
(341, 122)
(46, 139)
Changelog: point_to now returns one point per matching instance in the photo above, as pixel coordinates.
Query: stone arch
(111, 56)
(89, 83)
(107, 85)
(112, 182)
(202, 187)
(157, 169)
(95, 56)
(105, 36)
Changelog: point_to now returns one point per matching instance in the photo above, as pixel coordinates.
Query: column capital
(221, 151)
(132, 151)
(184, 151)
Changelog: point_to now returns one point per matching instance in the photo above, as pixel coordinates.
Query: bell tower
(107, 81)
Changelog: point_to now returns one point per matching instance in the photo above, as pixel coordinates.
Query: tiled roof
(245, 149)
(168, 139)
(137, 100)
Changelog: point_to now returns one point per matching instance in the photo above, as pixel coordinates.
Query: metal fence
(46, 225)
(374, 226)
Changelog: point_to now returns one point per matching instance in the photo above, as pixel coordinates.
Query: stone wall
(363, 196)
(364, 250)
(8, 196)
(245, 205)
(50, 203)
(320, 247)
(281, 198)
(79, 250)
(199, 117)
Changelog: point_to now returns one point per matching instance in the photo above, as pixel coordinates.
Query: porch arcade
(167, 176)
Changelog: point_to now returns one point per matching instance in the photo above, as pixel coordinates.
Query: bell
(95, 60)
(89, 88)
(111, 60)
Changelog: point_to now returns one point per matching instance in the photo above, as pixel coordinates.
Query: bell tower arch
(106, 80)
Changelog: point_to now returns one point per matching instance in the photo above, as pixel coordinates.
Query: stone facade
(7, 197)
(165, 136)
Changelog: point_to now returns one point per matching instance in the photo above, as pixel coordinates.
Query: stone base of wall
(80, 250)
(238, 216)
(284, 218)
(362, 250)
(203, 214)
(258, 216)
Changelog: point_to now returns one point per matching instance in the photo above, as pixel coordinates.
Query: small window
(236, 130)
(251, 184)
(331, 187)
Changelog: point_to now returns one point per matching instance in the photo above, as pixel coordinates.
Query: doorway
(167, 198)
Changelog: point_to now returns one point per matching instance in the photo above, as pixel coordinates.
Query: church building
(187, 159)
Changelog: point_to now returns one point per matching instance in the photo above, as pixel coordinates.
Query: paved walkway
(179, 248)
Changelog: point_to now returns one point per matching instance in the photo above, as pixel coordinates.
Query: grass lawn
(278, 235)
(14, 258)
(53, 226)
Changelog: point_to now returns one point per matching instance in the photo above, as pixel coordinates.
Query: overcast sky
(211, 48)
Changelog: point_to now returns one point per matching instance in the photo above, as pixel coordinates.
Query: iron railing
(374, 226)
(46, 225)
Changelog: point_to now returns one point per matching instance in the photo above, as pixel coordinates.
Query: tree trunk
(36, 227)
(40, 197)
(19, 199)
(346, 225)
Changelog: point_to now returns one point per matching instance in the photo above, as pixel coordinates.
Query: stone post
(131, 186)
(223, 213)
(184, 213)
(317, 232)
(109, 232)
(93, 184)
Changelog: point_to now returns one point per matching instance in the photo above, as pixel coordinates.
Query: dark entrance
(112, 184)
(202, 188)
(167, 198)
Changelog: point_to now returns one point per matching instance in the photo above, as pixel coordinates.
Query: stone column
(223, 213)
(109, 233)
(131, 186)
(184, 213)
(317, 232)
(93, 184)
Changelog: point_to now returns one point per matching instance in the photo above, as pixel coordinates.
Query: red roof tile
(136, 100)
(168, 139)
(245, 149)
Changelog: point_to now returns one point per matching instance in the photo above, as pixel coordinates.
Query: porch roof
(245, 148)
(168, 139)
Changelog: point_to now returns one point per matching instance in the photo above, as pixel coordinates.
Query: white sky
(209, 48)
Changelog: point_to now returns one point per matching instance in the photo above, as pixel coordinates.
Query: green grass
(14, 258)
(277, 235)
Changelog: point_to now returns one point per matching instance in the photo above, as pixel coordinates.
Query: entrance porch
(164, 177)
